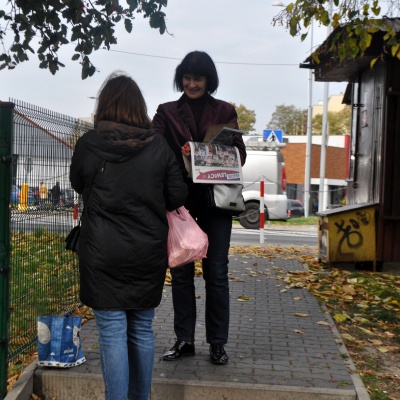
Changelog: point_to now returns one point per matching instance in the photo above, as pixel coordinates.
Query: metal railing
(38, 276)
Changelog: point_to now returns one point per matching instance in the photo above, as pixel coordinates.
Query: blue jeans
(215, 273)
(126, 352)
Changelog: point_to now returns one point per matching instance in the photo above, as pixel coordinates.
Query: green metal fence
(38, 276)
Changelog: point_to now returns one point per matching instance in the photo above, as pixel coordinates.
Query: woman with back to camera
(188, 119)
(129, 178)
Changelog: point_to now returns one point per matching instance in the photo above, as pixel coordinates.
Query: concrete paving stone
(262, 347)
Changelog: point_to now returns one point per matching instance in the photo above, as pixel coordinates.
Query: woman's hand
(186, 150)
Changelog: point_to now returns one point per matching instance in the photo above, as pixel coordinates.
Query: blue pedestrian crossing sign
(273, 135)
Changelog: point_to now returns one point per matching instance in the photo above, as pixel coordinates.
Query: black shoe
(218, 354)
(180, 349)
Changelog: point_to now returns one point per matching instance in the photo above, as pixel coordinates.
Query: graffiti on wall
(350, 232)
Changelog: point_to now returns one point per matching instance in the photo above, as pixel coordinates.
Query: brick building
(336, 169)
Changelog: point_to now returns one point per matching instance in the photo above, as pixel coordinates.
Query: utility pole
(323, 192)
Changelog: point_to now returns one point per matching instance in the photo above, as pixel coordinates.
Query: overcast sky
(258, 64)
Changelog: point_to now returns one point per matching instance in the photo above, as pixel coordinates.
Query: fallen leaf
(236, 279)
(375, 342)
(367, 331)
(323, 323)
(383, 349)
(243, 298)
(301, 315)
(297, 331)
(339, 317)
(347, 336)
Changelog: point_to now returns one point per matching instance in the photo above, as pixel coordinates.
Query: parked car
(270, 166)
(295, 208)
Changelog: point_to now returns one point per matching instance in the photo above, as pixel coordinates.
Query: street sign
(273, 135)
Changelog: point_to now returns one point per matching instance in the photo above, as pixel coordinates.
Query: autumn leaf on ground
(339, 317)
(243, 298)
(235, 279)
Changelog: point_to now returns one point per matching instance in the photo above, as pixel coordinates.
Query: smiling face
(194, 86)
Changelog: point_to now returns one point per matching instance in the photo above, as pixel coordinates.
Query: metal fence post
(6, 129)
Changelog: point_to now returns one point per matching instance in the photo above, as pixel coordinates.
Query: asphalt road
(62, 222)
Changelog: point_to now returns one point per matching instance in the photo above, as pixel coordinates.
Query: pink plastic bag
(186, 241)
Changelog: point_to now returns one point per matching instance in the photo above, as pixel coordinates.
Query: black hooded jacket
(129, 177)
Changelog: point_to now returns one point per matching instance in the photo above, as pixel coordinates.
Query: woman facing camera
(180, 121)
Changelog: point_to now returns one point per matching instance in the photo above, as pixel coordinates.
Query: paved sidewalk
(274, 354)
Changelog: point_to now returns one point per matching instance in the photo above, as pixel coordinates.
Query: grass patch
(313, 220)
(43, 281)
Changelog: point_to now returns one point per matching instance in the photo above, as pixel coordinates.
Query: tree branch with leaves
(89, 24)
(246, 118)
(361, 19)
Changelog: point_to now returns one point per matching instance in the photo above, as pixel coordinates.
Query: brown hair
(120, 100)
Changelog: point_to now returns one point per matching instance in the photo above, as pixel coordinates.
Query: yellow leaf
(301, 314)
(395, 49)
(348, 337)
(367, 331)
(243, 298)
(339, 317)
(362, 320)
(373, 61)
(383, 349)
(289, 7)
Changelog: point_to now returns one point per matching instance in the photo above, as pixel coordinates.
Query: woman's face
(194, 86)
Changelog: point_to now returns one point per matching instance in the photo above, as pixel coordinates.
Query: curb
(23, 388)
(362, 393)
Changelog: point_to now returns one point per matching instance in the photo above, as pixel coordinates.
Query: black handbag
(72, 240)
(227, 199)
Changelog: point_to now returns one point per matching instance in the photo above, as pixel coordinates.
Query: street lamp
(307, 174)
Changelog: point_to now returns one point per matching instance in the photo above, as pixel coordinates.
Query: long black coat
(123, 242)
(175, 121)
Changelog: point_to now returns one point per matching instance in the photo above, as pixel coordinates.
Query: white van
(268, 165)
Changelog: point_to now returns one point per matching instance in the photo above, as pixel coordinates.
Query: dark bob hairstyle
(197, 63)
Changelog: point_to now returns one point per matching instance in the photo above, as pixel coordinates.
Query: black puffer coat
(122, 248)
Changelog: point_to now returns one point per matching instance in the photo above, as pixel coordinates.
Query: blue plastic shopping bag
(59, 341)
